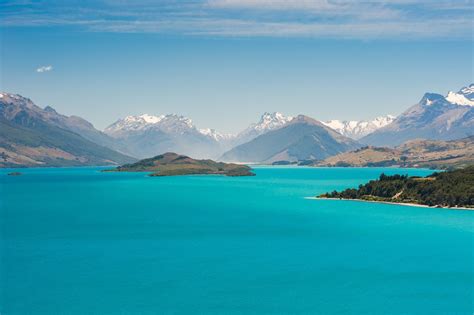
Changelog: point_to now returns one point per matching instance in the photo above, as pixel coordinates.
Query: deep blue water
(77, 241)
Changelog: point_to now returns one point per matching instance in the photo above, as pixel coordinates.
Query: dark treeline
(451, 188)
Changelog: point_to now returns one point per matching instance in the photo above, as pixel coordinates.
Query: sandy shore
(394, 203)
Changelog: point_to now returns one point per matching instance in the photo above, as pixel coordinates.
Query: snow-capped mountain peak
(133, 123)
(358, 129)
(170, 122)
(270, 121)
(468, 91)
(216, 135)
(150, 119)
(465, 96)
(459, 99)
(16, 98)
(382, 121)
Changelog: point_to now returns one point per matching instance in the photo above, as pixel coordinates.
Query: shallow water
(77, 241)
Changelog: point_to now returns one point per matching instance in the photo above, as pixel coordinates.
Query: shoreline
(395, 203)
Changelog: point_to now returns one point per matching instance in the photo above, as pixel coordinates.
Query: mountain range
(144, 135)
(357, 129)
(435, 117)
(34, 136)
(303, 138)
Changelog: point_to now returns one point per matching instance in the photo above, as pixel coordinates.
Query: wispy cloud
(273, 4)
(44, 69)
(362, 19)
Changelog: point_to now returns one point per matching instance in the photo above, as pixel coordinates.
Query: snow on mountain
(176, 124)
(268, 121)
(216, 135)
(435, 117)
(459, 99)
(468, 91)
(302, 138)
(148, 135)
(133, 123)
(168, 123)
(358, 129)
(464, 97)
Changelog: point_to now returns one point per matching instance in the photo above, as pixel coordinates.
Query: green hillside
(447, 189)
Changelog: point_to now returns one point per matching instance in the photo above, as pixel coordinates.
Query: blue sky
(224, 62)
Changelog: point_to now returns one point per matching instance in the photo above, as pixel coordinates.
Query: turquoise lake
(78, 241)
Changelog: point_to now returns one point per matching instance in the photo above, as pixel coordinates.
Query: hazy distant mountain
(302, 138)
(357, 129)
(435, 117)
(148, 135)
(32, 136)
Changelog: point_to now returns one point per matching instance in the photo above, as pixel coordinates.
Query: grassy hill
(416, 153)
(448, 189)
(170, 164)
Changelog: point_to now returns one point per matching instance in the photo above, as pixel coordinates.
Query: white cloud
(359, 19)
(44, 69)
(271, 4)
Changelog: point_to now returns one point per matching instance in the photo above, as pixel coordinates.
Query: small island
(172, 164)
(14, 174)
(453, 189)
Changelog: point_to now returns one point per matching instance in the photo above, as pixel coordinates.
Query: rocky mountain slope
(435, 117)
(147, 135)
(268, 122)
(32, 136)
(302, 138)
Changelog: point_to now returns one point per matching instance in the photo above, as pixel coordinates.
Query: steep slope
(303, 138)
(357, 129)
(48, 114)
(415, 153)
(31, 136)
(435, 117)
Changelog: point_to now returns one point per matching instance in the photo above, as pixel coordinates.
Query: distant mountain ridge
(435, 117)
(274, 137)
(303, 138)
(148, 135)
(357, 129)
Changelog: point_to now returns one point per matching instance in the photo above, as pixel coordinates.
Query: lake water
(77, 241)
